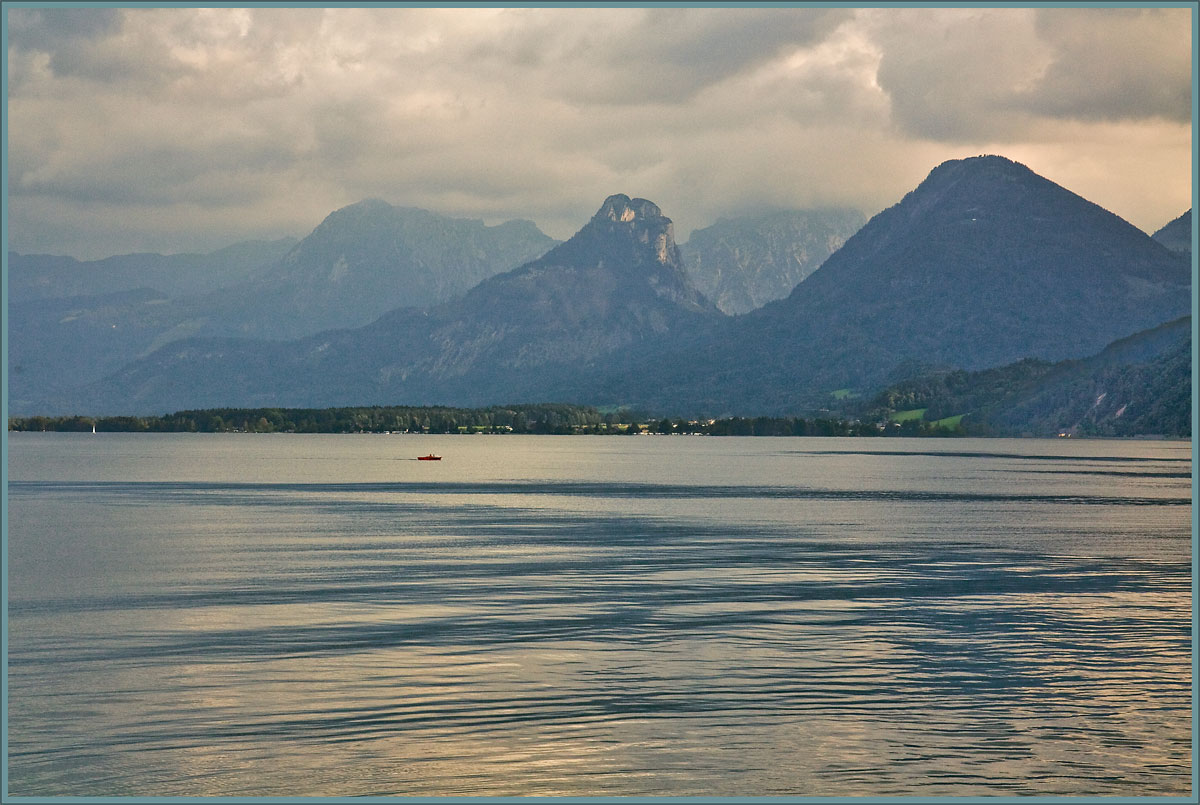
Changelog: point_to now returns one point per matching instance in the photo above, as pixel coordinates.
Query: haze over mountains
(983, 264)
(41, 276)
(544, 328)
(369, 258)
(743, 263)
(72, 323)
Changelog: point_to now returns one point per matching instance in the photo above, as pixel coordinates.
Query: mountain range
(983, 264)
(1139, 385)
(544, 328)
(41, 276)
(743, 263)
(74, 322)
(365, 260)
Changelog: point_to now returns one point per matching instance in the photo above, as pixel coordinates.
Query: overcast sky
(188, 129)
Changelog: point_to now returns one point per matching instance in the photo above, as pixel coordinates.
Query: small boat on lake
(430, 457)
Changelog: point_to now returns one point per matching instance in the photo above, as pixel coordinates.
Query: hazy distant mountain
(71, 322)
(541, 331)
(369, 258)
(743, 263)
(1138, 385)
(1177, 235)
(41, 276)
(363, 260)
(982, 264)
(54, 344)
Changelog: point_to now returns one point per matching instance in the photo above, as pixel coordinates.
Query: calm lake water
(292, 615)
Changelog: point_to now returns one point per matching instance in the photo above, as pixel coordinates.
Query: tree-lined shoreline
(546, 418)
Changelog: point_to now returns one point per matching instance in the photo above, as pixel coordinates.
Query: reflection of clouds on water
(517, 636)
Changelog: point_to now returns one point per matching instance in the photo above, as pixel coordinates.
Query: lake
(294, 615)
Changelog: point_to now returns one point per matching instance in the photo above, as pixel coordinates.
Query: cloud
(1115, 64)
(203, 126)
(1002, 74)
(952, 76)
(66, 28)
(659, 56)
(91, 46)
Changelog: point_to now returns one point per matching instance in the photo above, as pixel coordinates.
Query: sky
(188, 129)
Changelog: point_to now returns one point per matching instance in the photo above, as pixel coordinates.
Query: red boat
(430, 457)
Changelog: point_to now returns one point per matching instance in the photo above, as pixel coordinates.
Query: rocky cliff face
(627, 240)
(618, 284)
(744, 263)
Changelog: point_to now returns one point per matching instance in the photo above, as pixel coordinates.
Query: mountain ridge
(1177, 234)
(370, 257)
(44, 276)
(983, 263)
(1139, 384)
(73, 340)
(615, 284)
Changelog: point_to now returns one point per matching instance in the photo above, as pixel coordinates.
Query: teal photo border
(798, 800)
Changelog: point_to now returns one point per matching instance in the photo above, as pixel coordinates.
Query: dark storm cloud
(84, 43)
(36, 29)
(188, 125)
(669, 55)
(972, 73)
(1114, 64)
(951, 77)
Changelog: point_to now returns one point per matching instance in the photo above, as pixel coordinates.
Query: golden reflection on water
(388, 721)
(317, 639)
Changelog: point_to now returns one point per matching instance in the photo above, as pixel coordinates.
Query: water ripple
(232, 493)
(496, 637)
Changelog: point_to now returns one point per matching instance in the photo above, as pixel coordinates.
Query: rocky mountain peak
(622, 208)
(639, 224)
(629, 245)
